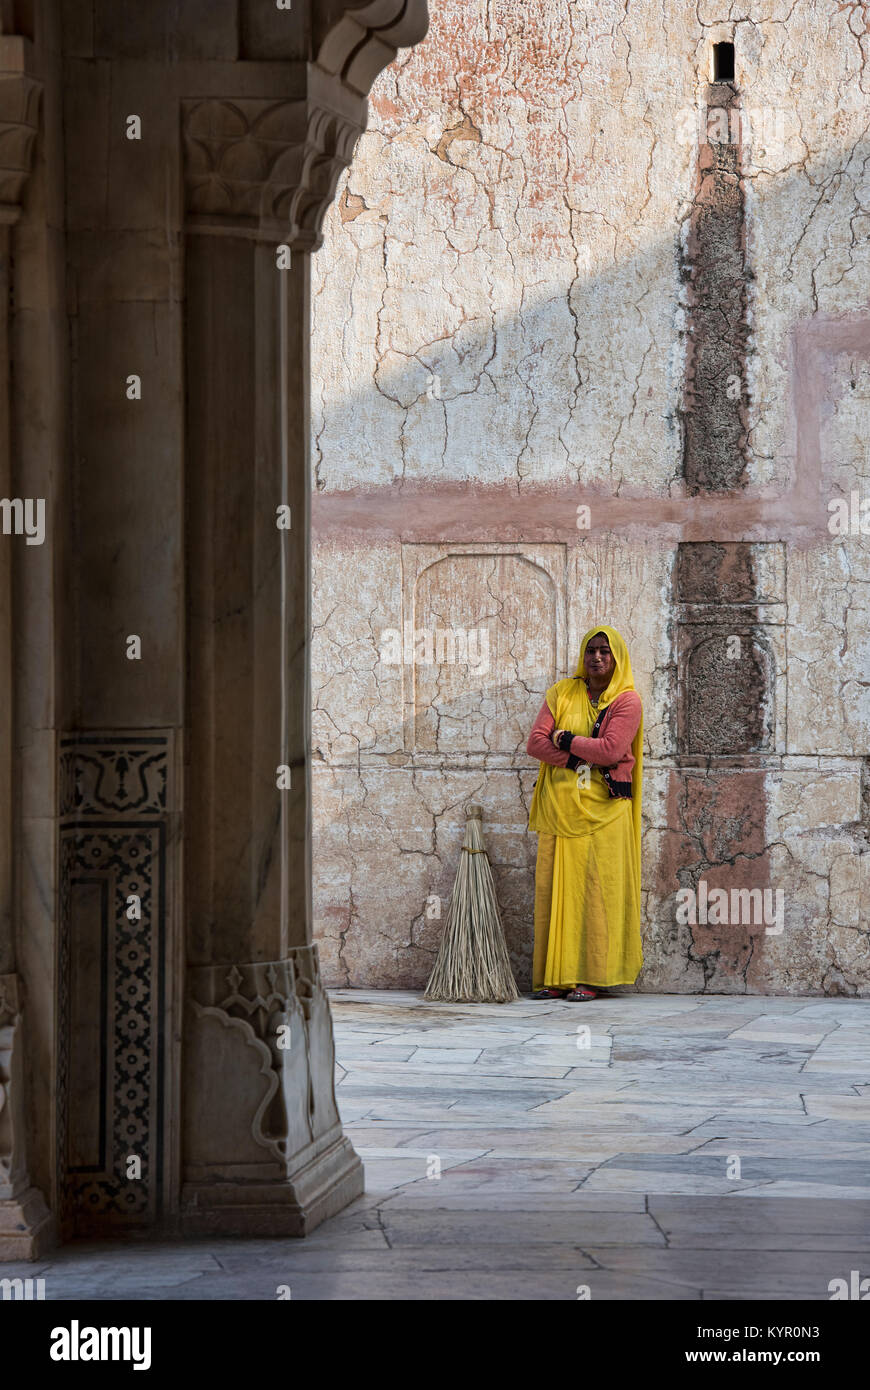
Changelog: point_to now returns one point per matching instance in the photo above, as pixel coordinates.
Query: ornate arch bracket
(268, 168)
(356, 42)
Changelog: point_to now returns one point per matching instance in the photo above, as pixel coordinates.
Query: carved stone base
(321, 1188)
(27, 1227)
(263, 1149)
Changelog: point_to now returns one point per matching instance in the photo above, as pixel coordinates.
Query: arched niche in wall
(485, 627)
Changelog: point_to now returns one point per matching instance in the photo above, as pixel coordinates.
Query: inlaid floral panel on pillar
(115, 980)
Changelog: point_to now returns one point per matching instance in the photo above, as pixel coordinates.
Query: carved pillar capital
(264, 168)
(20, 95)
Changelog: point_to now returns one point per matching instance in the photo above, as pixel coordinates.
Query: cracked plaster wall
(503, 329)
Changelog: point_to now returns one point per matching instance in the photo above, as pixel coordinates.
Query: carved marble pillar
(259, 174)
(266, 103)
(263, 1150)
(25, 1223)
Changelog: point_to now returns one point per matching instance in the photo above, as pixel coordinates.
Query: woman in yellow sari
(588, 737)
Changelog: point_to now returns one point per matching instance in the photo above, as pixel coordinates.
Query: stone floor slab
(563, 1170)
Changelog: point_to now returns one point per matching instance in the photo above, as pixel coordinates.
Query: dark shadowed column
(263, 1149)
(25, 1224)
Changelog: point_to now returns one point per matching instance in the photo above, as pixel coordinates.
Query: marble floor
(638, 1147)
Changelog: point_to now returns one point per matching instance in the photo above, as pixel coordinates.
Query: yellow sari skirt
(587, 899)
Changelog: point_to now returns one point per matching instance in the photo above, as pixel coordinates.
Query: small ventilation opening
(723, 62)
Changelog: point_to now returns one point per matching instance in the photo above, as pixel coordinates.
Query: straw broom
(473, 965)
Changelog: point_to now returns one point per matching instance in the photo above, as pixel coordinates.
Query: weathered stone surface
(387, 847)
(566, 268)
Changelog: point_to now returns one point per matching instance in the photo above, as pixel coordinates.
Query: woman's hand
(555, 736)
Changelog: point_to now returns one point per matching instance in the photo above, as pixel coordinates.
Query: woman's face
(598, 660)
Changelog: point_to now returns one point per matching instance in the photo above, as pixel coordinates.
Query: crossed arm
(540, 744)
(622, 724)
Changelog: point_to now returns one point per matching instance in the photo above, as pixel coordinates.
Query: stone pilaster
(19, 118)
(26, 1227)
(263, 1150)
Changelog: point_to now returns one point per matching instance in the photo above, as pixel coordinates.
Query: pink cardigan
(612, 747)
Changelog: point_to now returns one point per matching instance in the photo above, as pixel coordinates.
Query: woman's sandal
(549, 994)
(580, 994)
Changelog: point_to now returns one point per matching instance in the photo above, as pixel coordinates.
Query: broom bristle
(472, 966)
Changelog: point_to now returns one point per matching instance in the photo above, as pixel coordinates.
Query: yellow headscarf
(621, 680)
